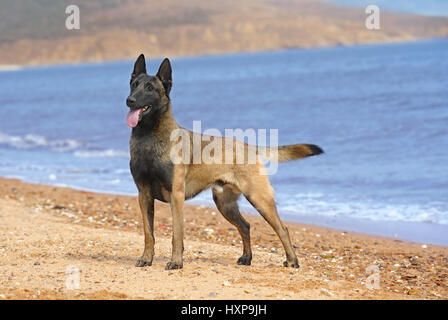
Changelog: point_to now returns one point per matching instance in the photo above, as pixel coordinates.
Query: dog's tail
(289, 152)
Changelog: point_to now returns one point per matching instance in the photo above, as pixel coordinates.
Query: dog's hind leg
(261, 195)
(146, 203)
(226, 202)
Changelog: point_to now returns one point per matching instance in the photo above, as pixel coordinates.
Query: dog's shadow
(130, 260)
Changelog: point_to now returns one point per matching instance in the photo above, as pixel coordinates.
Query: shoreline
(102, 234)
(408, 231)
(19, 67)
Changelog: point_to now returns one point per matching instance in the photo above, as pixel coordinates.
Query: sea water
(380, 112)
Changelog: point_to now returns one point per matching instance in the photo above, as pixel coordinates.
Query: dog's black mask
(149, 97)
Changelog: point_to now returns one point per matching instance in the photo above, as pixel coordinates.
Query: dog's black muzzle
(130, 102)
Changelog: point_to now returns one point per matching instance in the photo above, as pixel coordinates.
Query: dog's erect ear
(139, 66)
(164, 74)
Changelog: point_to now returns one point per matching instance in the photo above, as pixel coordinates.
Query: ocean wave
(32, 141)
(328, 206)
(375, 211)
(10, 67)
(107, 153)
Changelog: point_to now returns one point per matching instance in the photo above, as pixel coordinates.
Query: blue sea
(380, 112)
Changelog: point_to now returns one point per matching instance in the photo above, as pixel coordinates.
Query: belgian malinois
(157, 177)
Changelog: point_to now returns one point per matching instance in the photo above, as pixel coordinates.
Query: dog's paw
(173, 265)
(141, 262)
(292, 264)
(244, 260)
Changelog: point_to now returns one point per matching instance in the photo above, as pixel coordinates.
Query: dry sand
(46, 230)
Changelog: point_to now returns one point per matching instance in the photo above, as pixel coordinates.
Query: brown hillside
(33, 31)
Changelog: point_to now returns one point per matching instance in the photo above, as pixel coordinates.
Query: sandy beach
(47, 232)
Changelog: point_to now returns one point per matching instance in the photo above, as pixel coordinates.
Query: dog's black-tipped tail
(298, 151)
(293, 152)
(315, 149)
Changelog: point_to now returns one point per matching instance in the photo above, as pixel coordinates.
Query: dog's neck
(161, 122)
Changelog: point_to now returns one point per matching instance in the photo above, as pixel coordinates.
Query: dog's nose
(130, 101)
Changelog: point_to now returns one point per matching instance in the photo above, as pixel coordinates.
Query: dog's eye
(149, 87)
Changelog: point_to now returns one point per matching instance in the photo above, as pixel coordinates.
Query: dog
(158, 177)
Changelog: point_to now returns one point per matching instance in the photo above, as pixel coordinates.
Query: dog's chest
(150, 166)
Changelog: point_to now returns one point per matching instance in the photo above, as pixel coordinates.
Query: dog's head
(149, 95)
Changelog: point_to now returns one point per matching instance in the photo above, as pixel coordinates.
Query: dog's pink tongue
(132, 118)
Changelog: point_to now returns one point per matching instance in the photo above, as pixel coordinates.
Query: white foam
(327, 206)
(108, 153)
(31, 141)
(10, 67)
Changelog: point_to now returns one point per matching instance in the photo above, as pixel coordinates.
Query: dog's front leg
(146, 203)
(177, 199)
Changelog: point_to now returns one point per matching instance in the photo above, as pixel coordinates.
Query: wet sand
(52, 235)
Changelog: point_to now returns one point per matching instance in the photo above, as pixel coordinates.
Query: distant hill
(424, 7)
(33, 31)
